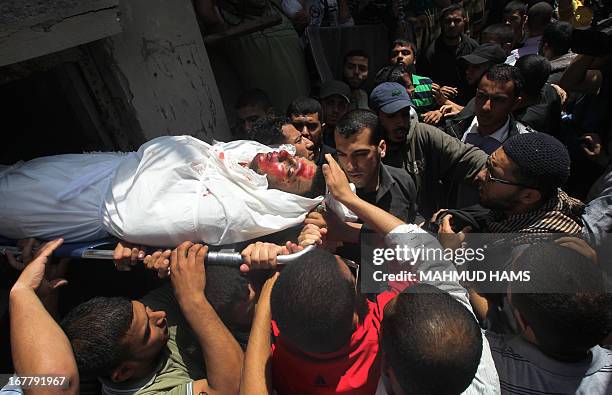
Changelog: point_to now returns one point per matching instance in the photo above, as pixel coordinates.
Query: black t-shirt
(544, 116)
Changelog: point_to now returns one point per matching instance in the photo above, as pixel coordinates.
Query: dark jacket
(459, 124)
(441, 167)
(442, 64)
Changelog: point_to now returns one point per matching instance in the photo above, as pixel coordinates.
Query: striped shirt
(422, 97)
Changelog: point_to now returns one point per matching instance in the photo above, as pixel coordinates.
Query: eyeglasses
(489, 167)
(312, 126)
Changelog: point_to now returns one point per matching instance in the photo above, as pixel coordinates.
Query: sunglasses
(312, 126)
(489, 167)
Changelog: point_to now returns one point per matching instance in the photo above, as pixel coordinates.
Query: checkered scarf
(560, 214)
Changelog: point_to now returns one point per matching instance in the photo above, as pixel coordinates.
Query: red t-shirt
(353, 370)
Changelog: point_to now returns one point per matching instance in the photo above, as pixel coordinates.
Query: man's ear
(122, 373)
(518, 103)
(530, 196)
(382, 148)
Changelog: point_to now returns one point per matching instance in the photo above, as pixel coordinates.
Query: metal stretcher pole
(214, 258)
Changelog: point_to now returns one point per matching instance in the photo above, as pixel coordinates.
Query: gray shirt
(524, 369)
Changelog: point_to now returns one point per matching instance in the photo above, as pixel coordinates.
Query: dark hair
(505, 73)
(450, 9)
(503, 31)
(313, 304)
(226, 287)
(253, 97)
(515, 6)
(558, 36)
(427, 335)
(392, 73)
(565, 302)
(268, 130)
(355, 52)
(303, 106)
(402, 42)
(96, 330)
(353, 122)
(535, 70)
(539, 16)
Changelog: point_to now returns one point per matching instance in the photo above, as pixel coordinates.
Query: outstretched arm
(38, 344)
(221, 352)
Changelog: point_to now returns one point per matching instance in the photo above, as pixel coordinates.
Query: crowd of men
(496, 127)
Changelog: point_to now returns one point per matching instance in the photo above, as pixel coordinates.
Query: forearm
(38, 344)
(578, 74)
(256, 372)
(222, 354)
(376, 218)
(206, 10)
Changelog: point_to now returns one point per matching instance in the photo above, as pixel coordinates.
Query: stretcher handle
(89, 251)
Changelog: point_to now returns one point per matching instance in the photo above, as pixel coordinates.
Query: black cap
(488, 52)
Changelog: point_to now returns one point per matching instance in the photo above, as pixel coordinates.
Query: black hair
(565, 302)
(501, 30)
(450, 9)
(539, 16)
(558, 36)
(505, 73)
(392, 73)
(313, 304)
(226, 287)
(535, 70)
(402, 42)
(427, 335)
(515, 6)
(353, 122)
(96, 330)
(253, 97)
(268, 130)
(303, 106)
(355, 52)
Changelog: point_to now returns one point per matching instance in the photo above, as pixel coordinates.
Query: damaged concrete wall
(32, 28)
(162, 64)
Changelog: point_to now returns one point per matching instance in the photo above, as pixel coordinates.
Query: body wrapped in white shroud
(174, 188)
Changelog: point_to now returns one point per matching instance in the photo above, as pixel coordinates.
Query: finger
(134, 255)
(193, 252)
(58, 282)
(47, 249)
(201, 255)
(246, 254)
(445, 225)
(244, 268)
(183, 249)
(14, 262)
(118, 252)
(26, 251)
(174, 257)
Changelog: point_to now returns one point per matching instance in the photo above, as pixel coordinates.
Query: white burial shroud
(174, 188)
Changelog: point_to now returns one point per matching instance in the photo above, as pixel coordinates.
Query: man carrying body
(170, 342)
(438, 163)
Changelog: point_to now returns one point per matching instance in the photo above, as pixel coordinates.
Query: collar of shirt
(500, 134)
